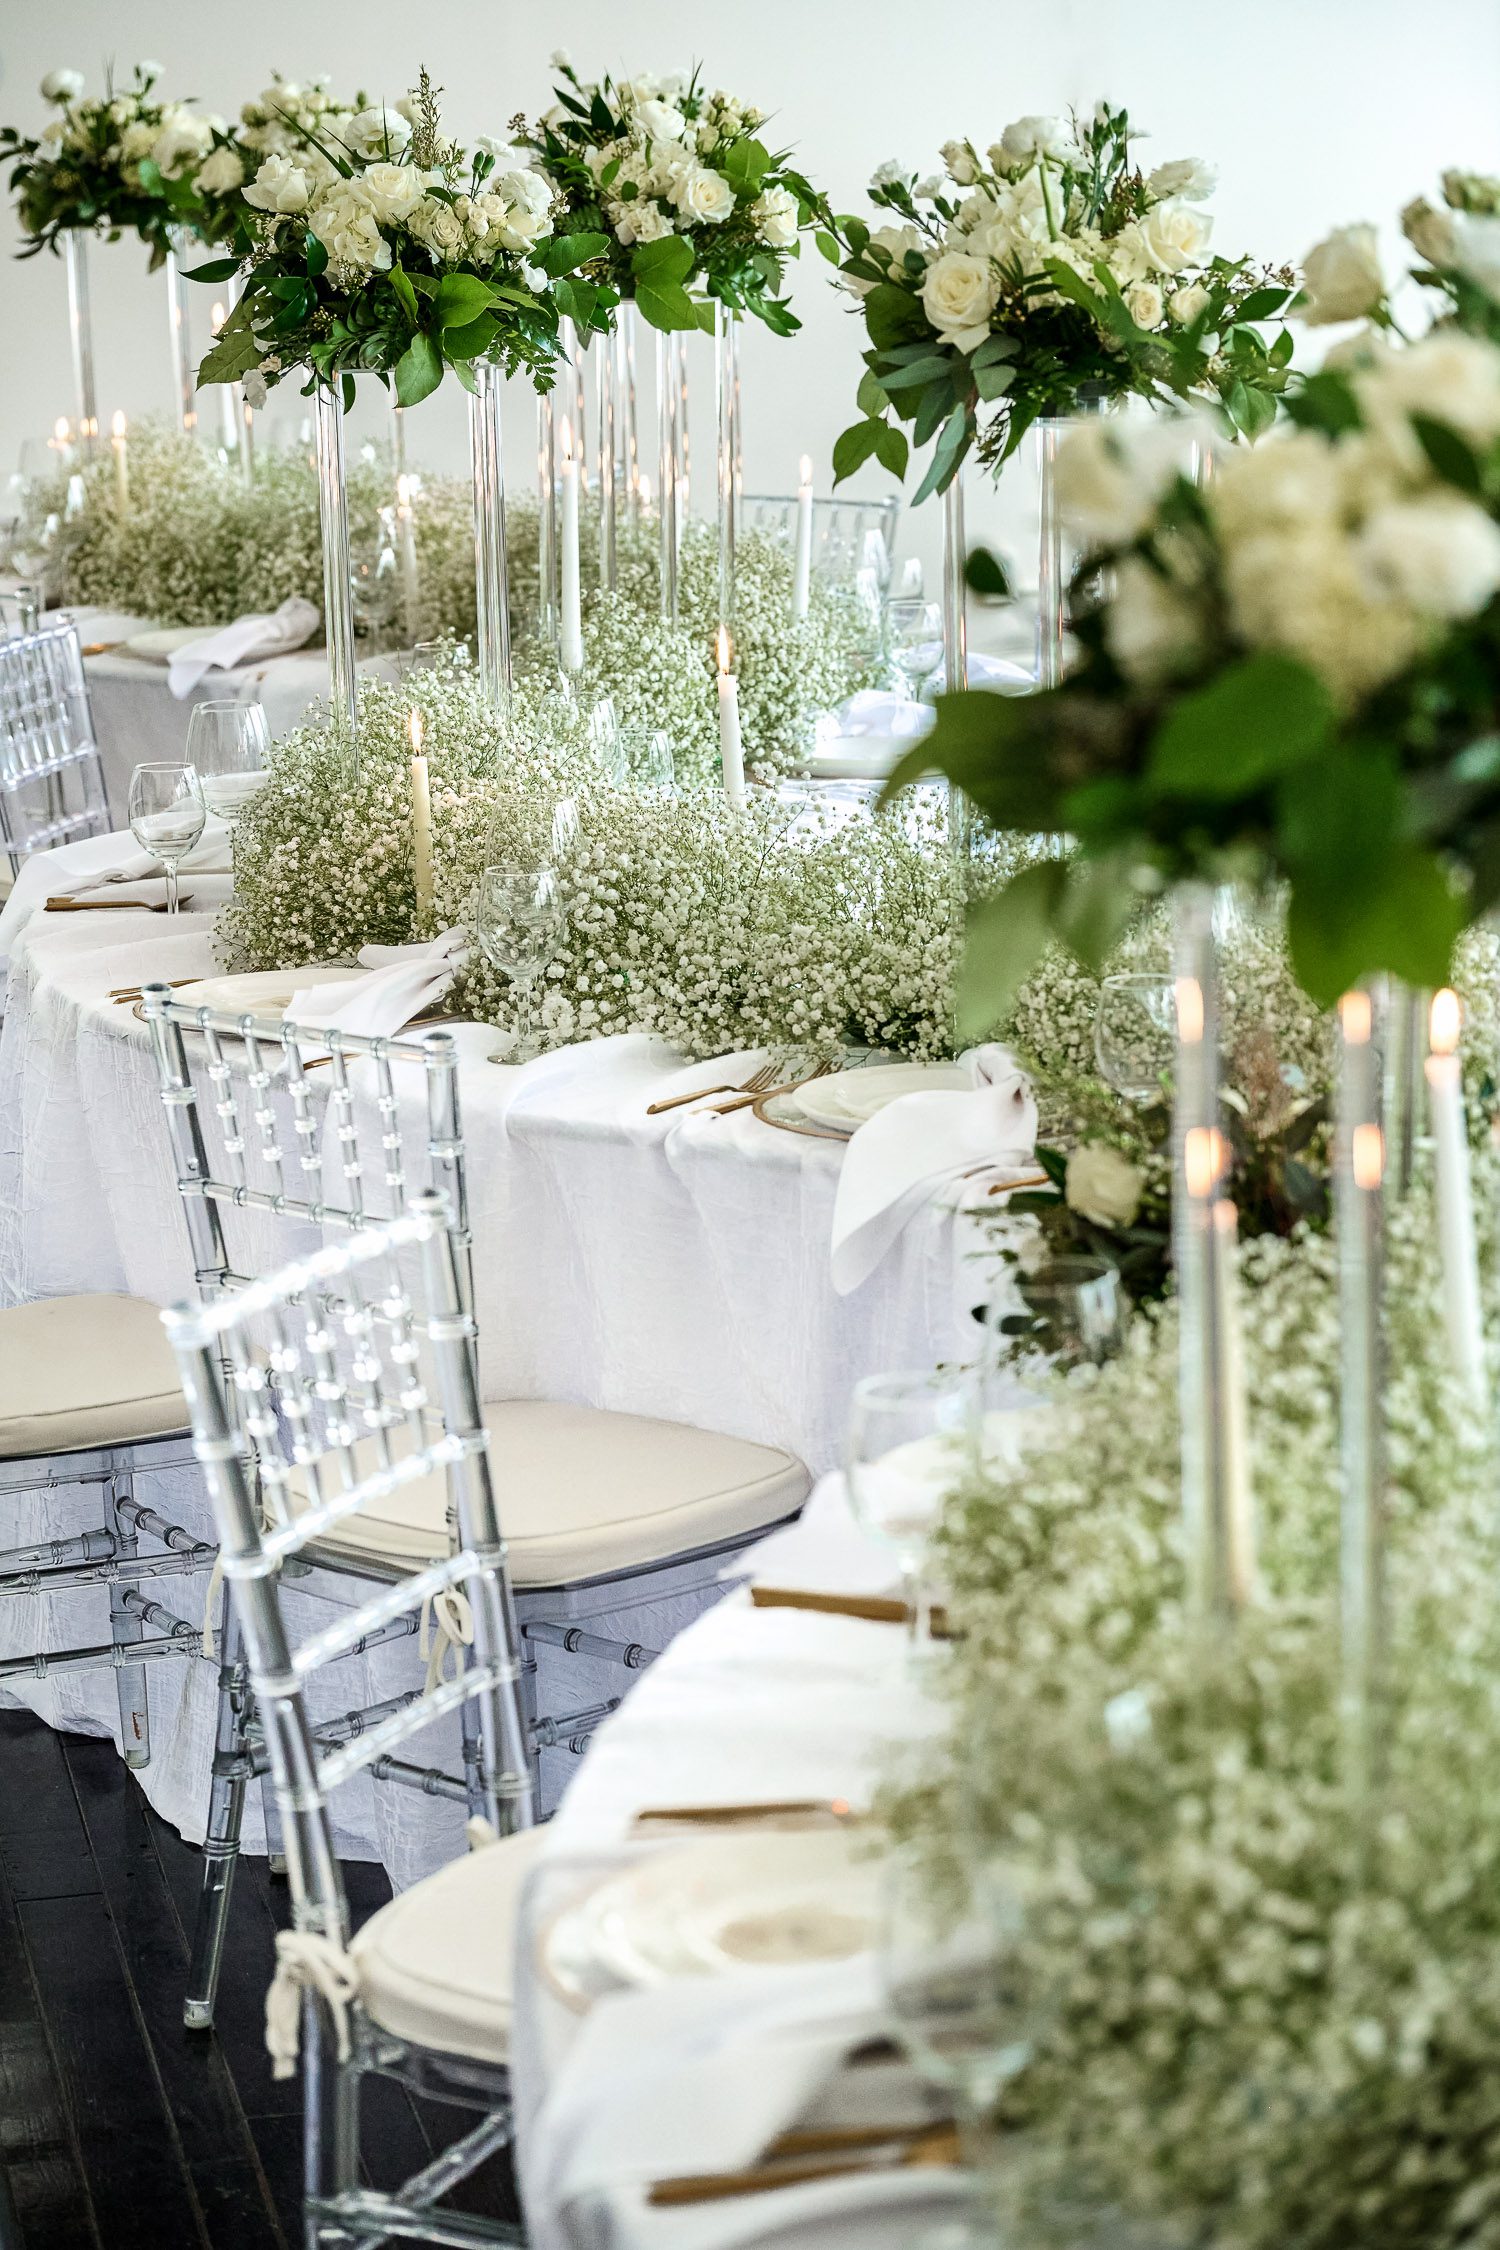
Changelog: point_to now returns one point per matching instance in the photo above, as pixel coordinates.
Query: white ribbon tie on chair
(307, 1961)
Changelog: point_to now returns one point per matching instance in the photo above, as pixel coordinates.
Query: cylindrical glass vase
(668, 463)
(630, 444)
(956, 639)
(1053, 560)
(338, 592)
(179, 335)
(491, 575)
(730, 471)
(1215, 1469)
(81, 336)
(1359, 1154)
(605, 353)
(546, 535)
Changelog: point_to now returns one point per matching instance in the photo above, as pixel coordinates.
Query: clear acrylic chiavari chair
(275, 1150)
(52, 787)
(314, 1394)
(848, 535)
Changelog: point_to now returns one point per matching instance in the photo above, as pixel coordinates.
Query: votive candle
(122, 466)
(1455, 1196)
(731, 750)
(802, 573)
(421, 824)
(570, 638)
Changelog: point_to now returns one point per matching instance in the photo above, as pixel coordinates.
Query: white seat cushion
(582, 1492)
(79, 1372)
(435, 1966)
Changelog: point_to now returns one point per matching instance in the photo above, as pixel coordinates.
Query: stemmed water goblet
(227, 743)
(910, 1434)
(519, 922)
(914, 637)
(1134, 1029)
(167, 813)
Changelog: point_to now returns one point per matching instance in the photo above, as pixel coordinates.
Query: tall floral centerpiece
(701, 217)
(124, 162)
(1046, 278)
(379, 244)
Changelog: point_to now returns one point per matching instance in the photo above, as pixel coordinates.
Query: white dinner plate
(774, 1899)
(852, 1097)
(261, 992)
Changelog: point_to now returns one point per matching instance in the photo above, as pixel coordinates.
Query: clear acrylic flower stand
(81, 336)
(179, 334)
(491, 572)
(338, 592)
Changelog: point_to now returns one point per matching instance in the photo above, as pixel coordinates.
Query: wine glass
(226, 745)
(1077, 1307)
(909, 1440)
(519, 922)
(606, 743)
(964, 1994)
(167, 814)
(648, 763)
(1134, 1028)
(914, 636)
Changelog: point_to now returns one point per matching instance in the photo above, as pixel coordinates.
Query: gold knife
(875, 1609)
(896, 2151)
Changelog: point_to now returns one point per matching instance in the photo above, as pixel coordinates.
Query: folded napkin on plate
(403, 981)
(247, 639)
(907, 1152)
(213, 854)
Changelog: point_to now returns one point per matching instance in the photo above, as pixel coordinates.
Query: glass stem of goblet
(171, 868)
(917, 1602)
(523, 1017)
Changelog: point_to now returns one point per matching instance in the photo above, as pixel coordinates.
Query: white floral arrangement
(283, 122)
(1047, 274)
(1252, 2029)
(697, 209)
(119, 163)
(1456, 239)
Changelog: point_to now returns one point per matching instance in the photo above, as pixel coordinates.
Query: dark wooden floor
(118, 2129)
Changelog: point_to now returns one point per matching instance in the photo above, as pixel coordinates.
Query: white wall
(1315, 111)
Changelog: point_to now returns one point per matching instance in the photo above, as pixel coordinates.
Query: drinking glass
(646, 756)
(1135, 1026)
(909, 1440)
(964, 1994)
(425, 656)
(226, 745)
(167, 813)
(605, 742)
(1077, 1307)
(519, 922)
(914, 636)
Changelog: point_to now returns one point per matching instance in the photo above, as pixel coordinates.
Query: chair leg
(271, 1814)
(221, 1843)
(125, 1628)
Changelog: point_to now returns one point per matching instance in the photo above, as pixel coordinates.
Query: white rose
(896, 240)
(280, 186)
(1184, 305)
(137, 141)
(439, 227)
(1127, 255)
(1302, 588)
(1143, 302)
(391, 190)
(1175, 235)
(376, 131)
(1431, 233)
(642, 221)
(888, 173)
(958, 295)
(1028, 139)
(774, 213)
(1153, 631)
(178, 146)
(1476, 253)
(1341, 277)
(1112, 473)
(1292, 480)
(1186, 175)
(703, 195)
(346, 226)
(1439, 554)
(962, 165)
(221, 173)
(1452, 377)
(62, 85)
(1471, 191)
(524, 208)
(659, 121)
(1102, 1185)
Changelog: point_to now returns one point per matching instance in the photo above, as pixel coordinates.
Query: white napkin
(247, 639)
(403, 981)
(213, 854)
(907, 1152)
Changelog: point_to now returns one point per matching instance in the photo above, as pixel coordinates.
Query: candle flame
(1355, 1018)
(1367, 1156)
(724, 647)
(415, 727)
(1189, 996)
(117, 425)
(217, 318)
(1445, 1022)
(804, 468)
(62, 429)
(1202, 1159)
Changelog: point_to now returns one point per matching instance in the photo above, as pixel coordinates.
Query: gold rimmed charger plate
(781, 1111)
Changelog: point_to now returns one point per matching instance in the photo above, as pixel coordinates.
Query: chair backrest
(311, 1381)
(848, 535)
(270, 1129)
(51, 778)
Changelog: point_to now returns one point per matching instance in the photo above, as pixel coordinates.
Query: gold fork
(744, 1099)
(755, 1084)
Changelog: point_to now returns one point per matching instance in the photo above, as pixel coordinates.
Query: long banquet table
(675, 1266)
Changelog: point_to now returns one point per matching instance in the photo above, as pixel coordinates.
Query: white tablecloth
(747, 1705)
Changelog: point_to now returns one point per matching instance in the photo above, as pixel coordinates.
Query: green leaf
(891, 449)
(217, 269)
(1407, 925)
(855, 446)
(564, 253)
(946, 454)
(993, 348)
(828, 244)
(993, 381)
(870, 398)
(1005, 939)
(745, 165)
(986, 574)
(317, 256)
(1262, 304)
(1256, 721)
(660, 269)
(469, 343)
(460, 300)
(1326, 401)
(1096, 908)
(418, 371)
(894, 316)
(669, 259)
(406, 296)
(995, 748)
(1453, 458)
(930, 368)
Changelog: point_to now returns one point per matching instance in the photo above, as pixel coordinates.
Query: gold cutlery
(99, 648)
(757, 1083)
(109, 905)
(125, 992)
(736, 1816)
(875, 1609)
(769, 1093)
(790, 2162)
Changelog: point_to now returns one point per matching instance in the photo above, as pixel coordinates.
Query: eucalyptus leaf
(1005, 938)
(1256, 721)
